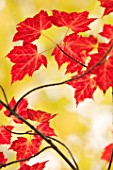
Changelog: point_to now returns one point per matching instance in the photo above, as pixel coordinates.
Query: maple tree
(90, 63)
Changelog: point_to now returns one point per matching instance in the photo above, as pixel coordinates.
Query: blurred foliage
(71, 127)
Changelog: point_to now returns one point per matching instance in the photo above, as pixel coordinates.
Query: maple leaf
(45, 129)
(39, 116)
(74, 67)
(108, 5)
(107, 31)
(77, 22)
(27, 61)
(103, 72)
(77, 47)
(1, 106)
(37, 166)
(84, 88)
(107, 152)
(76, 43)
(30, 29)
(5, 135)
(21, 110)
(60, 57)
(25, 148)
(3, 160)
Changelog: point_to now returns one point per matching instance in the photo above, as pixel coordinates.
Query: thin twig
(20, 133)
(71, 57)
(25, 159)
(3, 91)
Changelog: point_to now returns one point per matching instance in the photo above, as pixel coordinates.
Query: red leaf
(37, 166)
(30, 29)
(84, 88)
(60, 57)
(74, 46)
(5, 135)
(27, 61)
(3, 160)
(74, 67)
(21, 110)
(107, 152)
(103, 72)
(78, 22)
(108, 5)
(39, 116)
(77, 43)
(1, 106)
(25, 148)
(45, 129)
(107, 31)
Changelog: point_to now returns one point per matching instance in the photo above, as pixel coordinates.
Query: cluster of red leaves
(23, 146)
(76, 51)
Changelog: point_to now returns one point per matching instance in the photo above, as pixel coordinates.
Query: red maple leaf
(103, 72)
(3, 160)
(78, 22)
(107, 31)
(25, 148)
(39, 116)
(75, 46)
(60, 57)
(107, 152)
(84, 87)
(45, 129)
(5, 135)
(76, 43)
(30, 29)
(37, 166)
(1, 106)
(74, 67)
(108, 5)
(27, 60)
(21, 110)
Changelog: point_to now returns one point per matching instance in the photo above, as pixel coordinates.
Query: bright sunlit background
(85, 129)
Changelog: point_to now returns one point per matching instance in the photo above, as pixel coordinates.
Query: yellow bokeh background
(72, 127)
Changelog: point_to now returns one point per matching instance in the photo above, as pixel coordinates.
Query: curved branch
(25, 159)
(3, 91)
(66, 81)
